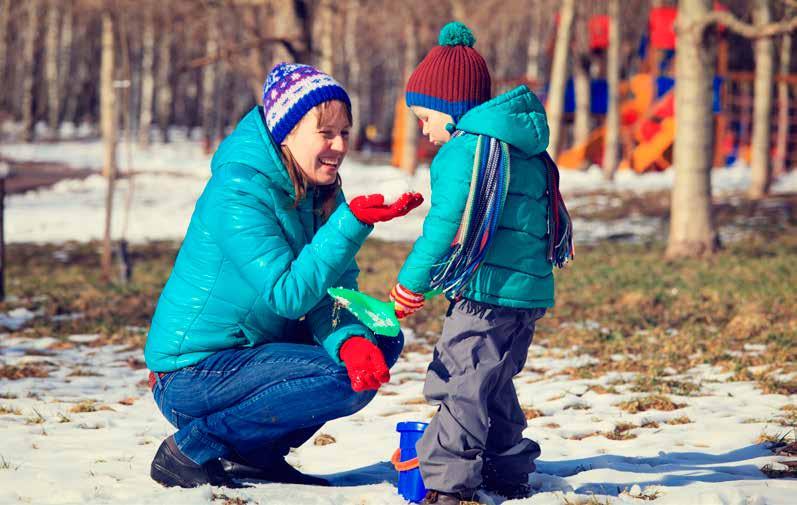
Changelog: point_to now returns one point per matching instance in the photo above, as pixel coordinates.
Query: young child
(496, 226)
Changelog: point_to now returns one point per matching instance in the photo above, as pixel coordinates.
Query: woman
(248, 358)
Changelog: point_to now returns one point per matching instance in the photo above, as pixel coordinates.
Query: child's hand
(371, 208)
(365, 364)
(405, 302)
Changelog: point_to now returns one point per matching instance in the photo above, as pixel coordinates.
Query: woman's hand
(364, 363)
(405, 302)
(371, 209)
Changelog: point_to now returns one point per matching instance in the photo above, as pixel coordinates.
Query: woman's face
(434, 124)
(319, 142)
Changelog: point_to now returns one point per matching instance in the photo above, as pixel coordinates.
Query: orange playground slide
(591, 150)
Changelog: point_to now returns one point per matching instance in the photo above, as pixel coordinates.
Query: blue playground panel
(664, 84)
(599, 96)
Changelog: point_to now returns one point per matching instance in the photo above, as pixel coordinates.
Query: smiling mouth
(330, 164)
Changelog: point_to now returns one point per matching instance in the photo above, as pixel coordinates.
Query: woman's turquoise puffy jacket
(515, 272)
(251, 264)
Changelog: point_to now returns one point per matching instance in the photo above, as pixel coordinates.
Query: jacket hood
(516, 117)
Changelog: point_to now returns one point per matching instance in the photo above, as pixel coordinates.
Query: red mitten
(364, 363)
(371, 209)
(405, 302)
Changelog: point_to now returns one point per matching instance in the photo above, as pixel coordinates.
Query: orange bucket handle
(403, 466)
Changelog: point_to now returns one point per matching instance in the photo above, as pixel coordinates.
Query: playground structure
(647, 104)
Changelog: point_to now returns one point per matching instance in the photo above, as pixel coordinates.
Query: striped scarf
(560, 226)
(488, 190)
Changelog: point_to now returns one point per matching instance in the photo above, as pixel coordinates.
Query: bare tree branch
(738, 26)
(790, 3)
(227, 52)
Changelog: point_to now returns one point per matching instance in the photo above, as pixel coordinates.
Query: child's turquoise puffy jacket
(515, 272)
(251, 264)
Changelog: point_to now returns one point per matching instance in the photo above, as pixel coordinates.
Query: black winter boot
(440, 498)
(511, 487)
(278, 471)
(170, 467)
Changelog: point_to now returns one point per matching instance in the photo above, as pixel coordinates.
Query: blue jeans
(253, 404)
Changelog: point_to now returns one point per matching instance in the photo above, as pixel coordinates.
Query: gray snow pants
(479, 423)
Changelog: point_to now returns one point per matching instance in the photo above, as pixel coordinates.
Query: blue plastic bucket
(410, 483)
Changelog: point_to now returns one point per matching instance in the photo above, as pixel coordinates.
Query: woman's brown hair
(325, 112)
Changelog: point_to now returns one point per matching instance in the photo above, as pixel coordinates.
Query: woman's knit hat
(291, 90)
(453, 78)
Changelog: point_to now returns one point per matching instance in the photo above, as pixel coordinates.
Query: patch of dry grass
(645, 403)
(679, 420)
(532, 413)
(6, 410)
(11, 372)
(621, 431)
(324, 439)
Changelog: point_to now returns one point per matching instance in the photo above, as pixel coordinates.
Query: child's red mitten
(406, 302)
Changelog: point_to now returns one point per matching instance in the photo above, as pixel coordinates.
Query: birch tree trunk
(762, 104)
(108, 121)
(556, 93)
(783, 107)
(582, 121)
(65, 56)
(209, 77)
(692, 231)
(409, 144)
(611, 140)
(29, 67)
(51, 67)
(164, 94)
(354, 79)
(5, 14)
(147, 79)
(534, 47)
(325, 36)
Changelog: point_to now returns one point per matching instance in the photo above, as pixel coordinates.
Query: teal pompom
(456, 34)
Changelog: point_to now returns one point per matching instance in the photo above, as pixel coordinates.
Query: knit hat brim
(454, 109)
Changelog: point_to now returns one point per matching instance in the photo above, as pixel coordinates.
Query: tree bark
(534, 47)
(108, 120)
(611, 141)
(51, 68)
(354, 78)
(556, 90)
(783, 108)
(164, 96)
(147, 79)
(409, 144)
(692, 231)
(29, 67)
(65, 56)
(209, 77)
(582, 122)
(5, 15)
(762, 105)
(325, 36)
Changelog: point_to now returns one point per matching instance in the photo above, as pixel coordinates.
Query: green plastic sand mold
(378, 316)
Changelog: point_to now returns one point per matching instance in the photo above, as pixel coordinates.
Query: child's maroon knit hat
(453, 78)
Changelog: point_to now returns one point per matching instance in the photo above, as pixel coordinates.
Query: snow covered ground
(174, 175)
(87, 435)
